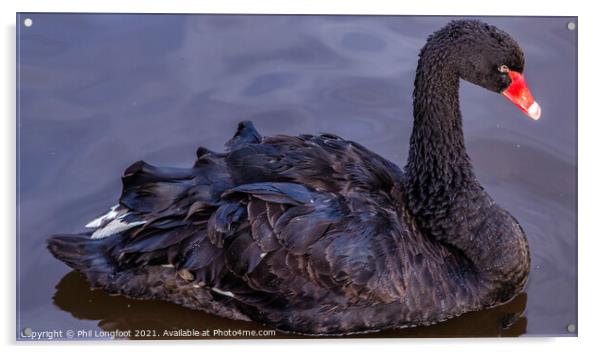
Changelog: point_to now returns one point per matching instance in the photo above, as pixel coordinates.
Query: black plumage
(318, 235)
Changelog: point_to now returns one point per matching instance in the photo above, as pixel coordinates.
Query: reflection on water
(73, 295)
(167, 84)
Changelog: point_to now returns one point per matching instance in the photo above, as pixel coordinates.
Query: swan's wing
(246, 134)
(294, 255)
(276, 239)
(309, 244)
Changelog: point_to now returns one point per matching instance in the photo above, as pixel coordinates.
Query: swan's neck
(438, 166)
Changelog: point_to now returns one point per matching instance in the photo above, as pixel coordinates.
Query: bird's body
(313, 234)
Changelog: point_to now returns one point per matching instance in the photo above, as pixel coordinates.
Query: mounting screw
(571, 26)
(28, 22)
(26, 332)
(571, 328)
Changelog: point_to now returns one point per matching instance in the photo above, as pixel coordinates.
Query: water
(98, 92)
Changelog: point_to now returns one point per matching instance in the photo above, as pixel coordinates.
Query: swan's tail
(81, 253)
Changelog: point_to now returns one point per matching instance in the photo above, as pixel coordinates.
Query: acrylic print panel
(97, 92)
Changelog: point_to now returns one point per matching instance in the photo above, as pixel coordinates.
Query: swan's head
(488, 57)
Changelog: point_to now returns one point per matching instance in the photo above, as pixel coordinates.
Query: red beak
(519, 94)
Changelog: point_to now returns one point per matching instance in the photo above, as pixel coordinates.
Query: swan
(317, 235)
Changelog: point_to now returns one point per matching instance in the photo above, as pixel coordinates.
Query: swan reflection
(73, 295)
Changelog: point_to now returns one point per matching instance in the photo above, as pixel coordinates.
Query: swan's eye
(503, 69)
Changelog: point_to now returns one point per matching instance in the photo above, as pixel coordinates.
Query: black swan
(317, 235)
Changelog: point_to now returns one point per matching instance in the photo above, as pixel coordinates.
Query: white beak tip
(534, 111)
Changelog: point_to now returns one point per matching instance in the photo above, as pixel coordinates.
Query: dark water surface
(98, 92)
